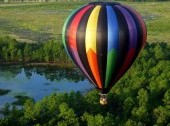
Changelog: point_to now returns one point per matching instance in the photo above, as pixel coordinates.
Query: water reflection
(49, 72)
(37, 82)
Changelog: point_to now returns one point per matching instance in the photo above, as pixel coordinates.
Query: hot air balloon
(103, 39)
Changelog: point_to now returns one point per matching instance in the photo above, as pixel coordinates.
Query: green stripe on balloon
(111, 63)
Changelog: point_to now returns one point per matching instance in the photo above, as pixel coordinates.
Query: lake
(38, 82)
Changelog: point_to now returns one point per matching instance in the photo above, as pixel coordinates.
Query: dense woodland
(16, 52)
(140, 98)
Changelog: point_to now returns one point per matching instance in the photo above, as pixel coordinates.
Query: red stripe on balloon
(74, 26)
(72, 32)
(92, 58)
(126, 64)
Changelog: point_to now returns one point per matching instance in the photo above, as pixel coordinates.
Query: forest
(140, 98)
(14, 52)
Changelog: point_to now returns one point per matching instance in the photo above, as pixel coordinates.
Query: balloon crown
(104, 3)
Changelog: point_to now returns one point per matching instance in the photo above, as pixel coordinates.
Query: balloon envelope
(103, 39)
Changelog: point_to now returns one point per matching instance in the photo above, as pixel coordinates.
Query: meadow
(39, 22)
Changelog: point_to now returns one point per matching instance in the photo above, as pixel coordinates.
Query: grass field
(37, 22)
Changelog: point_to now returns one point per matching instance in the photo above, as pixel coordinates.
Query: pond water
(37, 82)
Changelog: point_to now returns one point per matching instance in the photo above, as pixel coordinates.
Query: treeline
(14, 51)
(140, 98)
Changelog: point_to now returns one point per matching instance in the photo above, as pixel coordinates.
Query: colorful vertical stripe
(90, 43)
(103, 39)
(113, 44)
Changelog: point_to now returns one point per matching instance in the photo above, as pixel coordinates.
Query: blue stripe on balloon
(112, 29)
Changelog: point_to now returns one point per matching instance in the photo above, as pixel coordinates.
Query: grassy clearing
(157, 18)
(34, 22)
(42, 21)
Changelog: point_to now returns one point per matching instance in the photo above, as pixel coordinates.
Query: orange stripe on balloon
(92, 59)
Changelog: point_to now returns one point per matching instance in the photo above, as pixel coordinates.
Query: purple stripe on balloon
(131, 27)
(142, 23)
(79, 63)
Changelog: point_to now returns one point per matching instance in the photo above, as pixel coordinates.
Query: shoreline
(27, 63)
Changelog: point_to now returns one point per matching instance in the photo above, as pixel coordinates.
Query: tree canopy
(140, 97)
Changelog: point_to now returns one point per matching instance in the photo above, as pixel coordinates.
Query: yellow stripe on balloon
(91, 29)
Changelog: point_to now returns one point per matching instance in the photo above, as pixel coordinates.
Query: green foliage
(21, 100)
(13, 51)
(67, 116)
(141, 97)
(167, 98)
(12, 116)
(162, 115)
(96, 120)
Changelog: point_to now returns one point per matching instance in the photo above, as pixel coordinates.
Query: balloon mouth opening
(103, 99)
(104, 3)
